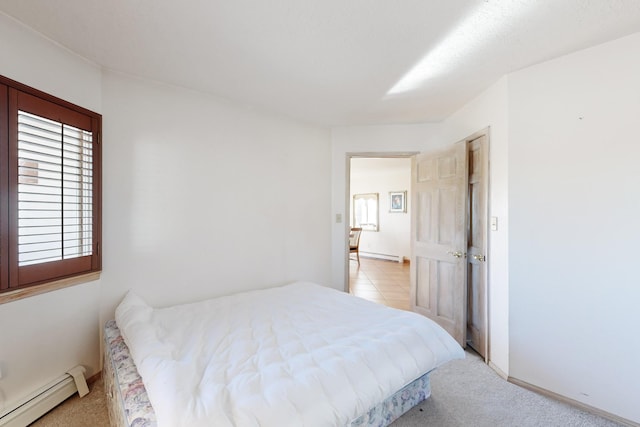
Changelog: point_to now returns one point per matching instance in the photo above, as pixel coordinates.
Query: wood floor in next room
(384, 282)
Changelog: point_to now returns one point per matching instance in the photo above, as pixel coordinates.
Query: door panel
(446, 292)
(423, 273)
(446, 225)
(424, 222)
(438, 238)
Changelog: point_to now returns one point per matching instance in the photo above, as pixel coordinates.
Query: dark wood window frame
(19, 278)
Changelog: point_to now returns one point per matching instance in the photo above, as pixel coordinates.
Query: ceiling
(329, 62)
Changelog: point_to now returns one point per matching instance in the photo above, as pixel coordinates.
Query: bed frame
(129, 404)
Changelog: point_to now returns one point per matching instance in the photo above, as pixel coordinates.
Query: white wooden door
(477, 245)
(439, 238)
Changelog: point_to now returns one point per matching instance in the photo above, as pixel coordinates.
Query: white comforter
(297, 355)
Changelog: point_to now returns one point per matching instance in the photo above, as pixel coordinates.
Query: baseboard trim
(575, 403)
(95, 377)
(498, 371)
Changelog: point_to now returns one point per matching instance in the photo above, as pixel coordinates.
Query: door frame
(486, 189)
(487, 192)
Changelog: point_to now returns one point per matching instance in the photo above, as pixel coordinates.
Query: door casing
(477, 244)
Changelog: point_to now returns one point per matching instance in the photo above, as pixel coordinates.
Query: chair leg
(358, 256)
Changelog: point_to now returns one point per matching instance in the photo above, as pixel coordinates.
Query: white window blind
(55, 196)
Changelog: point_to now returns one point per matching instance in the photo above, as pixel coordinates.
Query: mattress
(302, 319)
(129, 406)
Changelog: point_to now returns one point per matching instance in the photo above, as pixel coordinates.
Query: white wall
(380, 175)
(574, 203)
(29, 58)
(203, 198)
(490, 109)
(366, 139)
(43, 336)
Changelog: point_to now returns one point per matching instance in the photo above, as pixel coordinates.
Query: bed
(296, 355)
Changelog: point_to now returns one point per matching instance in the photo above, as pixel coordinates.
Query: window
(365, 211)
(50, 182)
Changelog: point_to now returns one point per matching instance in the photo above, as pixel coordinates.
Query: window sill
(19, 294)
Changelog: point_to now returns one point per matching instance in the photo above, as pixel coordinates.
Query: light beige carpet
(89, 411)
(465, 393)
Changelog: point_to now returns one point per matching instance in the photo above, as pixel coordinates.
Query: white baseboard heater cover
(396, 258)
(45, 398)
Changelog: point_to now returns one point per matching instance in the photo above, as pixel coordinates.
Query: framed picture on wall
(398, 201)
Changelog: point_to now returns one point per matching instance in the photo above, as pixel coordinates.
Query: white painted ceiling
(329, 62)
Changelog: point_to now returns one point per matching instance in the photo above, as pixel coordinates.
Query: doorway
(379, 206)
(471, 298)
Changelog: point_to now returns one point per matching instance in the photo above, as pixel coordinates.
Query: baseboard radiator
(396, 258)
(46, 398)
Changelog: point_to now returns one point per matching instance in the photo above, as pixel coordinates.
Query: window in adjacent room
(365, 211)
(50, 177)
